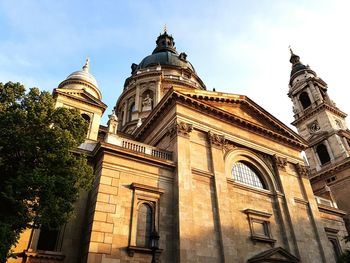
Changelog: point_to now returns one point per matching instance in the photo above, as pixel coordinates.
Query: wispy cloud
(238, 47)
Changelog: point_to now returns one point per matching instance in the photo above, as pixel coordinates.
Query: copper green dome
(164, 54)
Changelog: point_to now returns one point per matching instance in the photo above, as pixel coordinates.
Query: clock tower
(322, 124)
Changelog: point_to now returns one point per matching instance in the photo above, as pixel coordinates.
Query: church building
(183, 174)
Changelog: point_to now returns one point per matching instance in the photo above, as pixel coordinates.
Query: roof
(236, 109)
(164, 54)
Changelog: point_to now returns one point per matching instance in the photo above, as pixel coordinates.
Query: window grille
(244, 174)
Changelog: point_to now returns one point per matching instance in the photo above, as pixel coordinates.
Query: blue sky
(239, 47)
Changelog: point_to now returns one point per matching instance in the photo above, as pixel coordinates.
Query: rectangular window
(259, 225)
(332, 235)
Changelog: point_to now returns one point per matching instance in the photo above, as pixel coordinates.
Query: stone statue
(147, 103)
(295, 110)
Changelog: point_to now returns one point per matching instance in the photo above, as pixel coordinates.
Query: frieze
(302, 170)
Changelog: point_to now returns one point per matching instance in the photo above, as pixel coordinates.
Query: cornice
(178, 97)
(299, 85)
(315, 177)
(314, 111)
(236, 120)
(331, 210)
(93, 101)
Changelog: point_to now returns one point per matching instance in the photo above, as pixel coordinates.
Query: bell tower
(323, 126)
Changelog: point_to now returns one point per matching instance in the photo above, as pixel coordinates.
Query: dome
(166, 58)
(165, 54)
(297, 67)
(85, 76)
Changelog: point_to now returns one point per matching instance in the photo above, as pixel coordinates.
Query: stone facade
(165, 185)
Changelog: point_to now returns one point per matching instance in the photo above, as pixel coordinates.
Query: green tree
(41, 172)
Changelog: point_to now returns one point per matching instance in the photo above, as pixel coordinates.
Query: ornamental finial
(87, 65)
(165, 29)
(290, 49)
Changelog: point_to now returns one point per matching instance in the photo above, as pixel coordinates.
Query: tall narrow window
(144, 225)
(323, 154)
(245, 174)
(47, 239)
(335, 248)
(304, 99)
(131, 110)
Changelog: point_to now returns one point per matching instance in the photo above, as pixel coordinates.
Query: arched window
(245, 174)
(144, 225)
(304, 99)
(131, 110)
(86, 117)
(322, 153)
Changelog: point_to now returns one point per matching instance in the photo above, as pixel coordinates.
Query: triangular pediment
(317, 136)
(80, 95)
(244, 110)
(278, 254)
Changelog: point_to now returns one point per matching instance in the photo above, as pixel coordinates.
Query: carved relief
(302, 170)
(228, 147)
(180, 128)
(314, 127)
(216, 139)
(280, 162)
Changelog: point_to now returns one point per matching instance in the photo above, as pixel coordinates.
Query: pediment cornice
(80, 95)
(199, 100)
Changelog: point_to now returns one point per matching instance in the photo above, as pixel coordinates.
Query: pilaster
(180, 133)
(217, 145)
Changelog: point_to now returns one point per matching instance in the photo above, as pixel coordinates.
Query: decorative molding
(228, 147)
(216, 140)
(280, 162)
(301, 201)
(285, 135)
(143, 250)
(147, 188)
(325, 172)
(259, 225)
(302, 170)
(180, 128)
(313, 111)
(257, 213)
(249, 188)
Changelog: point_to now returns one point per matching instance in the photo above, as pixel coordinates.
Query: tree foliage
(40, 175)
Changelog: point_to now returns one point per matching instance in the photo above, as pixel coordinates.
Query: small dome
(165, 54)
(85, 76)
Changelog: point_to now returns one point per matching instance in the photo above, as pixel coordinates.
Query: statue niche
(147, 101)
